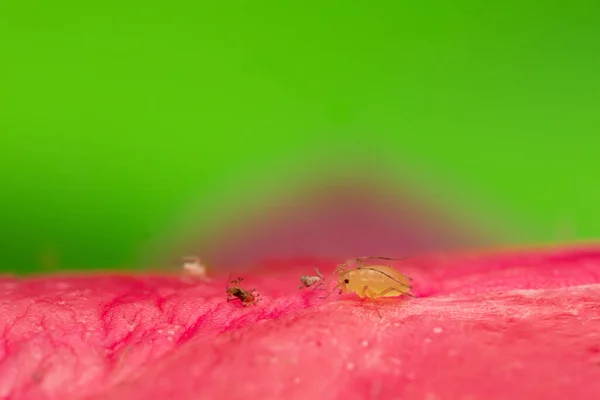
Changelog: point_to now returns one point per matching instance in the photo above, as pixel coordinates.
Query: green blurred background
(117, 118)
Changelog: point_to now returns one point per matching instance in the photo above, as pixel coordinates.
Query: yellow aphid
(372, 281)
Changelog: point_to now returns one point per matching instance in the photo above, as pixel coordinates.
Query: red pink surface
(519, 325)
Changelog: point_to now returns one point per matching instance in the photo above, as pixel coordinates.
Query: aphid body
(372, 281)
(248, 297)
(312, 281)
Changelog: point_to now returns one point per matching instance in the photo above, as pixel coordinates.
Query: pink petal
(487, 326)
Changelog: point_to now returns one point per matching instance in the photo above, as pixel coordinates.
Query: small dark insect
(248, 297)
(312, 281)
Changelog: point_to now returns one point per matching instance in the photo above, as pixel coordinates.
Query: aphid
(372, 281)
(248, 297)
(312, 281)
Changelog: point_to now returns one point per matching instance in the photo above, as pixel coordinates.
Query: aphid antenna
(322, 280)
(329, 294)
(336, 287)
(228, 281)
(361, 259)
(318, 272)
(335, 273)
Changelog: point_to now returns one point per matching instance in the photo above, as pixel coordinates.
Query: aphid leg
(317, 285)
(329, 294)
(399, 291)
(318, 272)
(254, 302)
(372, 296)
(368, 293)
(336, 272)
(386, 291)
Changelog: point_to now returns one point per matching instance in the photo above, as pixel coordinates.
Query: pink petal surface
(487, 326)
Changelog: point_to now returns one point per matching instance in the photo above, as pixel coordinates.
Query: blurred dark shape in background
(337, 217)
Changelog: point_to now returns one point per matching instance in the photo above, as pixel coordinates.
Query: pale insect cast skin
(312, 282)
(372, 281)
(195, 269)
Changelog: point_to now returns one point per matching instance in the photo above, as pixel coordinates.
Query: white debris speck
(296, 380)
(437, 330)
(364, 343)
(350, 366)
(427, 340)
(195, 268)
